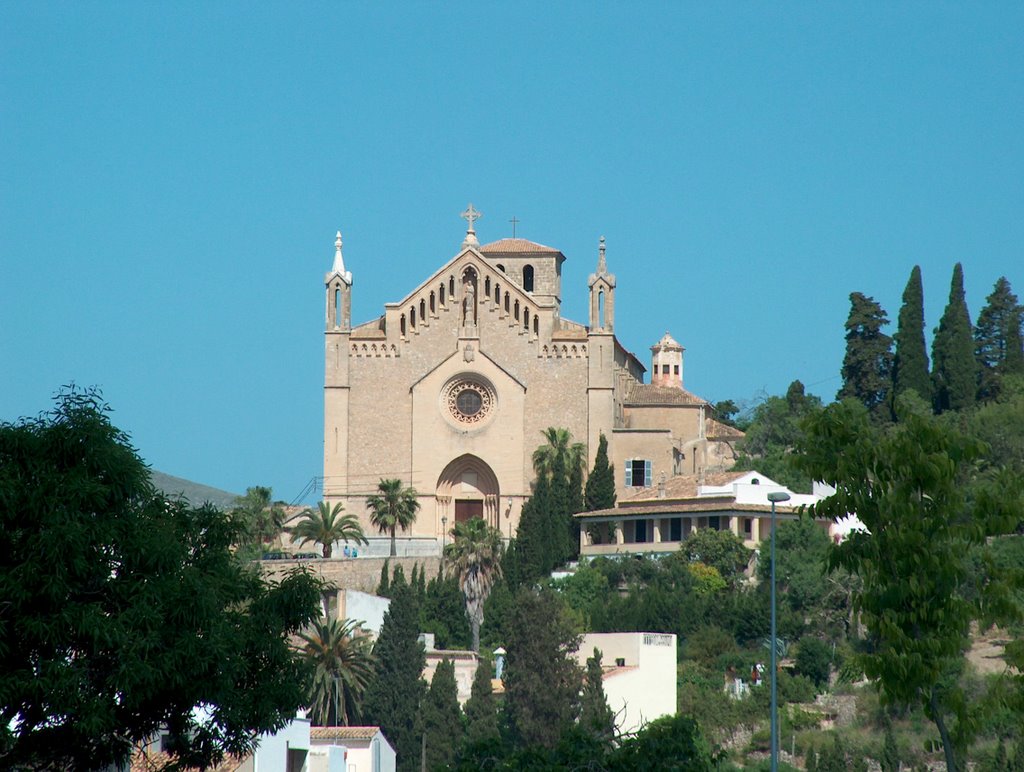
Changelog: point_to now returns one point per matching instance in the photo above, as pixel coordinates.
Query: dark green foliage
(600, 493)
(670, 743)
(997, 340)
(542, 680)
(384, 585)
(890, 761)
(123, 612)
(534, 554)
(262, 516)
(583, 590)
(833, 757)
(774, 430)
(398, 579)
(595, 715)
(801, 548)
(999, 761)
(954, 369)
(443, 613)
(867, 366)
(725, 412)
(908, 487)
(910, 363)
(814, 660)
(722, 550)
(481, 707)
(392, 699)
(811, 761)
(442, 721)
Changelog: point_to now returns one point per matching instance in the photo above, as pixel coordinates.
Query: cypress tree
(535, 549)
(997, 340)
(558, 515)
(442, 721)
(867, 366)
(890, 760)
(398, 579)
(384, 585)
(542, 680)
(954, 370)
(596, 717)
(576, 504)
(393, 696)
(481, 708)
(910, 363)
(600, 492)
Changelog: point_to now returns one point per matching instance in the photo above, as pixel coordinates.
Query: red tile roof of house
(647, 394)
(514, 246)
(343, 732)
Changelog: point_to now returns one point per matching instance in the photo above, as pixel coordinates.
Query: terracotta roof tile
(719, 431)
(647, 394)
(682, 486)
(153, 761)
(343, 732)
(517, 246)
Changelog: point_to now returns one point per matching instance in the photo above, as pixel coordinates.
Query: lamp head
(777, 496)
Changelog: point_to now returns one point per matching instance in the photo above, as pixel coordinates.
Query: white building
(639, 674)
(349, 749)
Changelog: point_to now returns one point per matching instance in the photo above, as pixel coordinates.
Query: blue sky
(172, 175)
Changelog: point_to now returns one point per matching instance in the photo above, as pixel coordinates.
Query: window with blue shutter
(638, 473)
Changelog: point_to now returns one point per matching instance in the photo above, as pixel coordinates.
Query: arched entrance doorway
(467, 488)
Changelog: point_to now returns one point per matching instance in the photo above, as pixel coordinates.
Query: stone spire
(339, 262)
(470, 215)
(602, 267)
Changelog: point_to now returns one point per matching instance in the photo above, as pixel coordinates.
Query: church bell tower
(338, 284)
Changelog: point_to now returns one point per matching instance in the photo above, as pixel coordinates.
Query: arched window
(506, 303)
(423, 309)
(433, 308)
(337, 306)
(536, 326)
(600, 309)
(412, 318)
(451, 286)
(497, 293)
(442, 293)
(528, 278)
(401, 325)
(487, 287)
(517, 311)
(501, 268)
(526, 319)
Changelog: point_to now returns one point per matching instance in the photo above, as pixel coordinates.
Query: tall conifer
(910, 363)
(596, 718)
(867, 366)
(442, 720)
(481, 708)
(954, 370)
(600, 492)
(393, 697)
(997, 340)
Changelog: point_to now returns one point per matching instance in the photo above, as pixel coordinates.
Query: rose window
(468, 401)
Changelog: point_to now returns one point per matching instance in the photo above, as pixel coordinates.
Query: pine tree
(997, 339)
(867, 366)
(910, 363)
(600, 491)
(596, 717)
(442, 721)
(954, 370)
(393, 697)
(384, 585)
(481, 708)
(542, 680)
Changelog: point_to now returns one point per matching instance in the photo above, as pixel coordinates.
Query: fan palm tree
(474, 555)
(324, 526)
(559, 444)
(393, 507)
(341, 656)
(263, 517)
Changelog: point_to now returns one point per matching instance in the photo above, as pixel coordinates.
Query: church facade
(451, 388)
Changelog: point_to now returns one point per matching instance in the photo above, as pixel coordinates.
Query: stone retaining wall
(361, 574)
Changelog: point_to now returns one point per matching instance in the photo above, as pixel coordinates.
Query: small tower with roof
(667, 362)
(602, 294)
(338, 285)
(339, 291)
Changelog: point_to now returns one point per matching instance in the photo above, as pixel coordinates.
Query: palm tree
(474, 555)
(393, 507)
(324, 526)
(341, 656)
(559, 444)
(263, 517)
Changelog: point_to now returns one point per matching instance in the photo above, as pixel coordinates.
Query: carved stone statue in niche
(469, 300)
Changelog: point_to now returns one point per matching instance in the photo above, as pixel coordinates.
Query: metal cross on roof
(515, 221)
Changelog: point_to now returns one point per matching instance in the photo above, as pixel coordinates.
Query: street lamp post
(774, 497)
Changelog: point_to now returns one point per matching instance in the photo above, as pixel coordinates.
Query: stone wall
(361, 574)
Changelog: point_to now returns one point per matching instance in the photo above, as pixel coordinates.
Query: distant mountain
(194, 492)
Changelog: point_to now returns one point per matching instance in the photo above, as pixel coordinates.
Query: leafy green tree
(393, 507)
(999, 760)
(814, 660)
(997, 340)
(481, 708)
(562, 463)
(774, 430)
(867, 366)
(560, 449)
(600, 491)
(443, 613)
(670, 742)
(954, 369)
(393, 697)
(263, 517)
(801, 550)
(908, 488)
(722, 550)
(475, 557)
(124, 612)
(342, 661)
(442, 721)
(542, 679)
(595, 715)
(726, 411)
(910, 362)
(326, 526)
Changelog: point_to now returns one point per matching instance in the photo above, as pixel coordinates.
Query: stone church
(452, 386)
